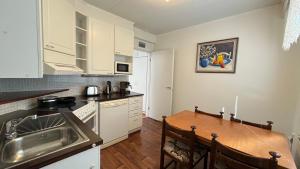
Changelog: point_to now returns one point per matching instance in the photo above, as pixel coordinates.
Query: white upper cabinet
(59, 26)
(101, 56)
(20, 50)
(124, 41)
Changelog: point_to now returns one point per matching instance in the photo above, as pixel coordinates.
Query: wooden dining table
(247, 139)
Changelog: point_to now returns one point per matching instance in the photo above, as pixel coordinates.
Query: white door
(139, 78)
(161, 83)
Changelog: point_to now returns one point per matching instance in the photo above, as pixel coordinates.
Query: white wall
(143, 35)
(265, 74)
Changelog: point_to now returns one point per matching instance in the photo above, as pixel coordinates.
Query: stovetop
(70, 107)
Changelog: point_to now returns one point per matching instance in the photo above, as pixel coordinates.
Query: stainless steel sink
(33, 145)
(28, 145)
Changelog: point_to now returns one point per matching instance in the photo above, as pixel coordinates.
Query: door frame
(147, 78)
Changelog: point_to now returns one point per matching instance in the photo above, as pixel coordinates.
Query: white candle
(236, 105)
(223, 109)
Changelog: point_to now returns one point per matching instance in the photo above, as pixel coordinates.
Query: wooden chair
(180, 146)
(209, 114)
(222, 157)
(267, 126)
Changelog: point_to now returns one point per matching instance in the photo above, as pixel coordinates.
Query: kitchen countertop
(113, 96)
(8, 97)
(59, 155)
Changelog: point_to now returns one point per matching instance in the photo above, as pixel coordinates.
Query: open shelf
(81, 59)
(81, 44)
(81, 21)
(81, 30)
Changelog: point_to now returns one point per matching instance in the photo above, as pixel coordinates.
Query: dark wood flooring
(140, 151)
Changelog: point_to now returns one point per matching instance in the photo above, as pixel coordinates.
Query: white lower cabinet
(89, 159)
(135, 117)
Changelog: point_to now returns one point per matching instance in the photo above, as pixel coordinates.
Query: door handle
(168, 87)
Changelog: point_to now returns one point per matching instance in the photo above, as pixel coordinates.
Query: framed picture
(217, 56)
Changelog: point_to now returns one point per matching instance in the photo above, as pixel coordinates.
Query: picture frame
(217, 56)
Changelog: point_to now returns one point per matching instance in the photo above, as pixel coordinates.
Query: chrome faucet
(11, 132)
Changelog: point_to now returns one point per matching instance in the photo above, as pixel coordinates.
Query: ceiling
(159, 16)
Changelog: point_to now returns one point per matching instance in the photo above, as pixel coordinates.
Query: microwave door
(122, 68)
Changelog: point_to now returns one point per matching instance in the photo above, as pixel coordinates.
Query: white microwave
(123, 68)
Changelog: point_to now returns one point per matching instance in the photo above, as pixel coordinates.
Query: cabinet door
(20, 40)
(89, 159)
(101, 58)
(59, 25)
(124, 41)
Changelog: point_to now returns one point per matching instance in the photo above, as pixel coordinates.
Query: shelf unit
(81, 41)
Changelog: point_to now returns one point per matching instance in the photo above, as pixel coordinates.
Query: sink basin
(40, 143)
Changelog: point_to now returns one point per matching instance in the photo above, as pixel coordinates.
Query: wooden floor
(140, 151)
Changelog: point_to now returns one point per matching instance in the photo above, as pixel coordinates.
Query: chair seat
(180, 151)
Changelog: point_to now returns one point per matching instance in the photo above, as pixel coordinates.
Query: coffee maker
(124, 87)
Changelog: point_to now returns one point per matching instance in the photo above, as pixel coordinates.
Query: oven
(123, 68)
(89, 115)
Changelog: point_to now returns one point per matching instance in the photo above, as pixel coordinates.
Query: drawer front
(134, 100)
(135, 122)
(136, 112)
(136, 106)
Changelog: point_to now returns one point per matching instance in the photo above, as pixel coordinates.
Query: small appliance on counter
(92, 90)
(108, 89)
(124, 87)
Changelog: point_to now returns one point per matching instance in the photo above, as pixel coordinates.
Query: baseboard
(134, 130)
(113, 142)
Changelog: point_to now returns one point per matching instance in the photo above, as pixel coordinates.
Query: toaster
(92, 91)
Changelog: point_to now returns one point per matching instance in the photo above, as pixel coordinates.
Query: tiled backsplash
(56, 82)
(75, 83)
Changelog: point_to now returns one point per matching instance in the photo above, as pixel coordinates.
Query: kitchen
(87, 84)
(78, 59)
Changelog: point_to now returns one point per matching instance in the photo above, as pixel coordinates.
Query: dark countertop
(59, 155)
(113, 96)
(8, 97)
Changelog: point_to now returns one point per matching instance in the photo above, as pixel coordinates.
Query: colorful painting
(217, 56)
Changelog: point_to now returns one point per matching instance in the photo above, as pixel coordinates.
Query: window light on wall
(292, 25)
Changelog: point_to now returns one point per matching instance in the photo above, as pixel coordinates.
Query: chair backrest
(209, 114)
(267, 126)
(230, 158)
(183, 136)
(232, 118)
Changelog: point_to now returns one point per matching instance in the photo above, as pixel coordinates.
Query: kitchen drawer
(135, 122)
(135, 106)
(134, 100)
(136, 112)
